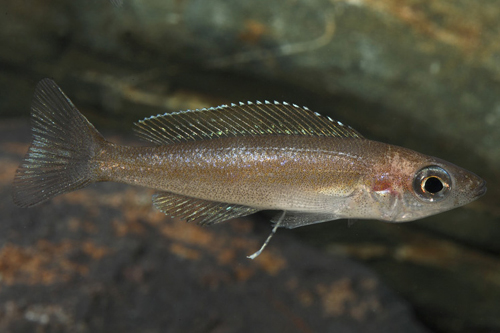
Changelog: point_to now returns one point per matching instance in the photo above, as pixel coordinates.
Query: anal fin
(299, 219)
(204, 212)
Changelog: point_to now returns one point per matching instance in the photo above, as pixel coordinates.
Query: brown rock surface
(422, 74)
(103, 260)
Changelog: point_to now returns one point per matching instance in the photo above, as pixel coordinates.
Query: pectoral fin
(299, 219)
(202, 211)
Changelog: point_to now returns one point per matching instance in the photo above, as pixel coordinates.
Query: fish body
(215, 164)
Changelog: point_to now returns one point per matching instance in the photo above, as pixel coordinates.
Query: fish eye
(432, 183)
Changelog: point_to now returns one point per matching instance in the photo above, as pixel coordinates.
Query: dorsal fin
(239, 120)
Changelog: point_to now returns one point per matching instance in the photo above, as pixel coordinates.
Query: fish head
(422, 186)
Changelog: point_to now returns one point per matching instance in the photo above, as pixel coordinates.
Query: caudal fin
(63, 145)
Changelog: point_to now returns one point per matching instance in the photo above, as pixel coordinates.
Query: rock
(455, 288)
(423, 75)
(103, 260)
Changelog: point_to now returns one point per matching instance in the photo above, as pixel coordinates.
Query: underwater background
(421, 74)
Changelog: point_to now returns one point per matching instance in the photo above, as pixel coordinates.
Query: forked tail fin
(63, 145)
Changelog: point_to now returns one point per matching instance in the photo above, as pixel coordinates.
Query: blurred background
(423, 74)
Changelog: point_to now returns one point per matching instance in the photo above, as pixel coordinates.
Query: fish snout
(473, 185)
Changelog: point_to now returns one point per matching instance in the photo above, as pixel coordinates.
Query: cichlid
(215, 164)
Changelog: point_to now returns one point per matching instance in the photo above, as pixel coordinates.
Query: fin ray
(237, 120)
(205, 212)
(295, 219)
(63, 143)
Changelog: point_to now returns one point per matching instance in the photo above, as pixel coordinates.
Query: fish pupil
(433, 185)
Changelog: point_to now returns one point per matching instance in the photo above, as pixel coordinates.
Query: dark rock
(103, 260)
(418, 74)
(455, 288)
(421, 74)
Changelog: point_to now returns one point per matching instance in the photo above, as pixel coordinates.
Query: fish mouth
(481, 190)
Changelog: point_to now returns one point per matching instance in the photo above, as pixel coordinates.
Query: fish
(215, 164)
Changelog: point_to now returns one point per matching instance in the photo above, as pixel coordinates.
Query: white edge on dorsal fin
(239, 120)
(306, 108)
